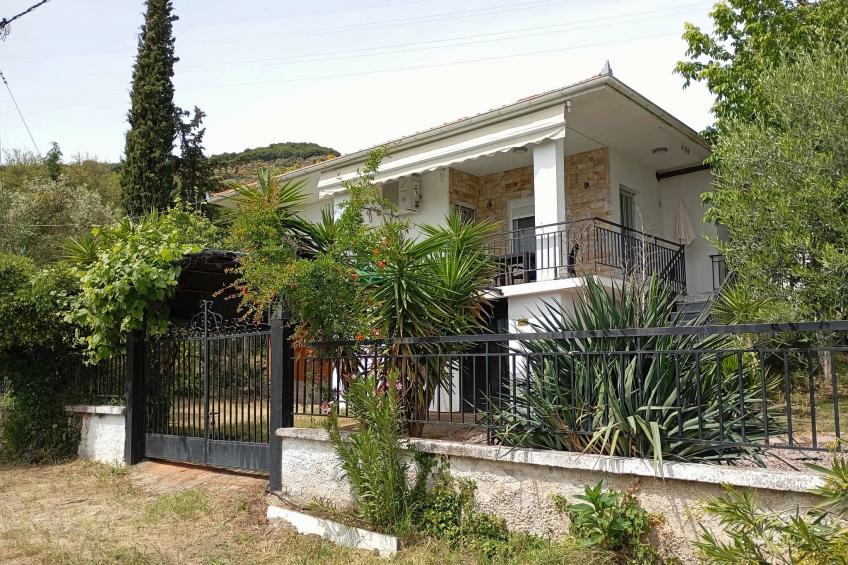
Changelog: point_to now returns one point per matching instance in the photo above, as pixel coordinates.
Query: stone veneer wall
(588, 192)
(587, 185)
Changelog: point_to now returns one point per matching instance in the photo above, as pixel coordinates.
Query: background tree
(752, 37)
(147, 176)
(100, 176)
(53, 162)
(781, 187)
(194, 173)
(45, 211)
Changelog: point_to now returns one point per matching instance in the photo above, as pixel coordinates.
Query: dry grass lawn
(82, 512)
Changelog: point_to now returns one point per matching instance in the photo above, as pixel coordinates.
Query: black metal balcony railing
(582, 248)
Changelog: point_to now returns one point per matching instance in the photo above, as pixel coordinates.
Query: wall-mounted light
(659, 150)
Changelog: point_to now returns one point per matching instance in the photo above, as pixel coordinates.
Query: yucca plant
(679, 397)
(432, 286)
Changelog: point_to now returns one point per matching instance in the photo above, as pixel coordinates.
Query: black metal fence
(695, 393)
(207, 392)
(587, 247)
(103, 383)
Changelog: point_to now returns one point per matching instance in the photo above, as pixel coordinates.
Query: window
(524, 234)
(466, 212)
(522, 224)
(627, 204)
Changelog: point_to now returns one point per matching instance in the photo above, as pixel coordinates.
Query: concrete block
(335, 532)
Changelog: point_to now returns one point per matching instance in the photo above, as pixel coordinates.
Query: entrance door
(207, 394)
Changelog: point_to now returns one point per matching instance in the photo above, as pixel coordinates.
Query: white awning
(530, 129)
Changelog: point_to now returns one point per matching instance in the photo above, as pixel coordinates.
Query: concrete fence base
(519, 484)
(103, 433)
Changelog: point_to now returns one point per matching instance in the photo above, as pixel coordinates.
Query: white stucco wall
(312, 210)
(103, 433)
(435, 202)
(643, 181)
(518, 484)
(690, 187)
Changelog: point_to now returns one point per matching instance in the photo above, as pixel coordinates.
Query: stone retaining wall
(518, 484)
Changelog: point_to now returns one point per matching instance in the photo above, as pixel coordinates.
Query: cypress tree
(147, 176)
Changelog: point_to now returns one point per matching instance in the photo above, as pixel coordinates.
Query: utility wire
(397, 69)
(18, 108)
(428, 45)
(4, 23)
(436, 65)
(355, 27)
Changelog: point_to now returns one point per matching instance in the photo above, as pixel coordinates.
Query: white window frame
(517, 208)
(623, 190)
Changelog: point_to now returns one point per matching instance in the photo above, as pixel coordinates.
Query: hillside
(240, 167)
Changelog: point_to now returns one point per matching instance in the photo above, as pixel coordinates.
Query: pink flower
(326, 408)
(398, 386)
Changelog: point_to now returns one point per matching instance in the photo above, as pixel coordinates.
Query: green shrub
(756, 535)
(611, 520)
(376, 462)
(447, 513)
(35, 351)
(126, 273)
(374, 459)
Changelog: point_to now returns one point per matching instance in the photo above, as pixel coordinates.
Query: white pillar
(549, 201)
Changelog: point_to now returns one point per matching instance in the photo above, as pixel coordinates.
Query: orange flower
(376, 251)
(381, 264)
(360, 337)
(354, 275)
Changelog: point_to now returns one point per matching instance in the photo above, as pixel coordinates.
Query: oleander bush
(758, 535)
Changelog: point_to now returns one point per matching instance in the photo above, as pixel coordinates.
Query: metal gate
(207, 389)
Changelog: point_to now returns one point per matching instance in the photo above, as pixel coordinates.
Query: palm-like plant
(662, 396)
(431, 286)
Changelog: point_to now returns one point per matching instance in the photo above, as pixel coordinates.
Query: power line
(18, 108)
(428, 45)
(397, 69)
(4, 23)
(440, 64)
(406, 21)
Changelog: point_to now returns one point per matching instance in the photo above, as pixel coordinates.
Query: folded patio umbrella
(686, 233)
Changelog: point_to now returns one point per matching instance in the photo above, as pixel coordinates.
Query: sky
(347, 74)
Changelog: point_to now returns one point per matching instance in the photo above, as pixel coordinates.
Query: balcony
(584, 248)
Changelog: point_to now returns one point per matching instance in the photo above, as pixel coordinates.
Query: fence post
(136, 398)
(281, 397)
